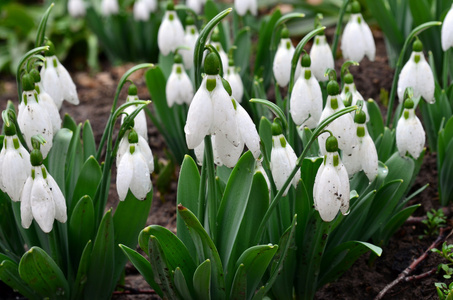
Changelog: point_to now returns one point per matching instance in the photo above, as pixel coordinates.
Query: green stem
(202, 193)
(446, 68)
(299, 161)
(336, 36)
(399, 66)
(212, 197)
(19, 67)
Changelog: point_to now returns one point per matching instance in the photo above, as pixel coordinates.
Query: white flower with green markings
(244, 6)
(190, 40)
(282, 60)
(447, 30)
(235, 81)
(179, 87)
(349, 86)
(76, 8)
(140, 123)
(321, 58)
(171, 33)
(109, 7)
(410, 135)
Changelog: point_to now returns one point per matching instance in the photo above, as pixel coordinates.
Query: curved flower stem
(399, 66)
(299, 161)
(111, 120)
(19, 67)
(336, 36)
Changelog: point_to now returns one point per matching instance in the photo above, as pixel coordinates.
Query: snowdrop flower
(283, 160)
(33, 118)
(418, 75)
(109, 7)
(331, 188)
(171, 33)
(410, 136)
(199, 152)
(179, 88)
(364, 156)
(134, 165)
(14, 164)
(235, 81)
(321, 58)
(76, 8)
(190, 39)
(46, 101)
(215, 41)
(140, 124)
(447, 30)
(151, 5)
(141, 11)
(242, 6)
(41, 198)
(282, 60)
(196, 5)
(349, 86)
(306, 97)
(56, 80)
(357, 40)
(342, 127)
(211, 111)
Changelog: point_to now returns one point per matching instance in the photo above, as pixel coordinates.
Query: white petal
(58, 198)
(25, 204)
(76, 8)
(172, 89)
(227, 152)
(196, 5)
(282, 62)
(145, 150)
(321, 58)
(190, 39)
(49, 104)
(424, 80)
(109, 7)
(171, 33)
(122, 148)
(199, 117)
(141, 182)
(351, 47)
(16, 168)
(248, 131)
(2, 159)
(328, 186)
(185, 88)
(344, 191)
(317, 187)
(407, 78)
(141, 11)
(282, 163)
(367, 40)
(42, 204)
(51, 82)
(352, 161)
(235, 82)
(67, 85)
(447, 30)
(242, 6)
(369, 157)
(124, 175)
(410, 136)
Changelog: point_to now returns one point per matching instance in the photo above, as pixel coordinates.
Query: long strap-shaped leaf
(9, 274)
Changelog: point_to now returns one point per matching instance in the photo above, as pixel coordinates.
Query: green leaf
(396, 222)
(446, 176)
(340, 259)
(306, 134)
(87, 183)
(181, 284)
(81, 277)
(234, 204)
(9, 274)
(205, 250)
(239, 286)
(265, 131)
(159, 265)
(385, 144)
(274, 108)
(202, 281)
(376, 125)
(74, 162)
(42, 27)
(69, 123)
(241, 55)
(143, 266)
(89, 144)
(57, 157)
(211, 11)
(102, 261)
(43, 275)
(81, 227)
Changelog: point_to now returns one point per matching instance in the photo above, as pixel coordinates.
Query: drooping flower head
(306, 97)
(211, 111)
(171, 33)
(283, 159)
(179, 87)
(33, 118)
(196, 5)
(349, 86)
(331, 188)
(244, 6)
(447, 30)
(410, 136)
(140, 124)
(418, 75)
(109, 7)
(234, 79)
(357, 40)
(321, 54)
(14, 164)
(41, 197)
(141, 11)
(282, 60)
(134, 163)
(190, 39)
(364, 156)
(56, 80)
(76, 8)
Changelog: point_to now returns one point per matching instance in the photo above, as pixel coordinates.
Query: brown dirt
(365, 279)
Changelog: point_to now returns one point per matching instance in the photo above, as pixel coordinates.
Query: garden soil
(367, 277)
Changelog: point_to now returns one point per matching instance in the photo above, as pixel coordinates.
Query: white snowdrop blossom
(179, 87)
(410, 135)
(199, 152)
(342, 127)
(14, 164)
(306, 97)
(211, 111)
(56, 80)
(152, 5)
(349, 86)
(321, 58)
(41, 198)
(235, 81)
(331, 188)
(282, 60)
(418, 75)
(140, 123)
(364, 156)
(135, 164)
(190, 39)
(109, 7)
(196, 5)
(283, 161)
(171, 33)
(141, 10)
(76, 8)
(33, 118)
(242, 6)
(357, 40)
(447, 30)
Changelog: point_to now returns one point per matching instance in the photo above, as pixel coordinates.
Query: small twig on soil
(414, 220)
(421, 276)
(442, 237)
